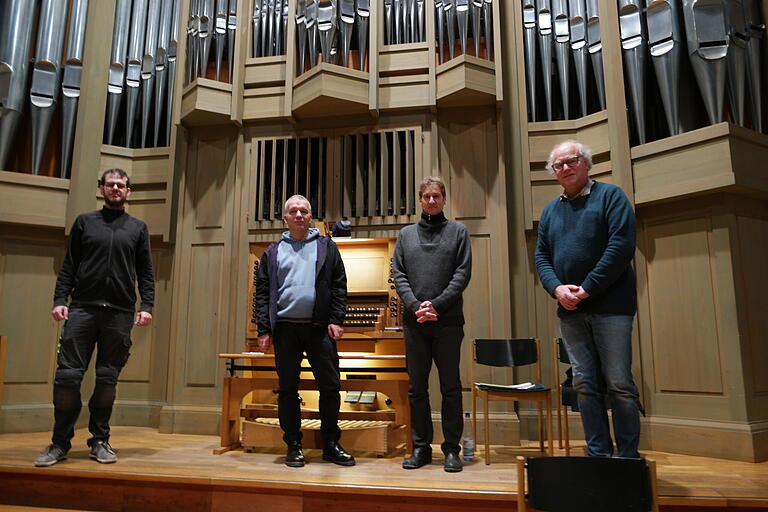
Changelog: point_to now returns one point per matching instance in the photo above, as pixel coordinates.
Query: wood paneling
(209, 175)
(471, 148)
(33, 200)
(682, 307)
(752, 242)
(28, 271)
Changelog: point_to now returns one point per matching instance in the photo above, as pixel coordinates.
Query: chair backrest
(562, 354)
(594, 484)
(506, 352)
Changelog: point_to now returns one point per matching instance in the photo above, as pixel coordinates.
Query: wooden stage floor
(155, 469)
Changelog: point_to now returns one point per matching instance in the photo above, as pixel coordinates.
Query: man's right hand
(566, 296)
(426, 313)
(60, 313)
(264, 341)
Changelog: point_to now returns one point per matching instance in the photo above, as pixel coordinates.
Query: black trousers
(425, 343)
(291, 341)
(108, 332)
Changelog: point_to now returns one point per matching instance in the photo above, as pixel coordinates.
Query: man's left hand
(143, 318)
(426, 313)
(335, 331)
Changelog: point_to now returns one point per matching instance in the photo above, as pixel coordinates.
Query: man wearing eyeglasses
(586, 241)
(107, 251)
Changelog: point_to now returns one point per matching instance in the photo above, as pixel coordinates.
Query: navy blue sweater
(590, 241)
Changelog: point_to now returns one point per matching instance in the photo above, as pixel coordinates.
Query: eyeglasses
(109, 186)
(570, 162)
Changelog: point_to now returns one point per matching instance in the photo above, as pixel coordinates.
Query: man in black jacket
(107, 250)
(301, 300)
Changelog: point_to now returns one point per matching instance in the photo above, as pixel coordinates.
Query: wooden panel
(369, 264)
(468, 151)
(203, 329)
(683, 312)
(28, 271)
(209, 196)
(38, 200)
(264, 71)
(753, 242)
(591, 130)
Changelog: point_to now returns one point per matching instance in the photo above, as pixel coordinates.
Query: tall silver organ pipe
(44, 91)
(231, 31)
(705, 29)
(347, 19)
(544, 22)
(193, 41)
(312, 30)
(148, 67)
(161, 65)
(477, 13)
(755, 31)
(562, 51)
(450, 23)
(116, 81)
(634, 48)
(388, 14)
(488, 22)
(301, 33)
(595, 48)
(173, 44)
(363, 15)
(70, 84)
(420, 20)
(440, 21)
(220, 33)
(578, 25)
(736, 60)
(205, 34)
(529, 35)
(256, 23)
(327, 15)
(462, 19)
(133, 68)
(665, 41)
(16, 25)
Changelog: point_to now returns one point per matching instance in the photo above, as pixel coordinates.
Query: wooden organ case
(374, 415)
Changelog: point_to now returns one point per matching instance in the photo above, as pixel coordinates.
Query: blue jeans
(600, 349)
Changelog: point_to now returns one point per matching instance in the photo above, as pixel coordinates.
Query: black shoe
(420, 457)
(333, 452)
(295, 457)
(452, 463)
(102, 452)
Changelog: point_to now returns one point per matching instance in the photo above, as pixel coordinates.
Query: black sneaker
(102, 452)
(50, 456)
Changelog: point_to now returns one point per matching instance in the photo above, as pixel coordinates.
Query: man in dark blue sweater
(583, 257)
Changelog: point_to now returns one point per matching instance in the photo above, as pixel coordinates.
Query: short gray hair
(296, 197)
(583, 151)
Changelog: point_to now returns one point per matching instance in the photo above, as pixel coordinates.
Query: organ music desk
(392, 381)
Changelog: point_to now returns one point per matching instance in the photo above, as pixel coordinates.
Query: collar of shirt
(584, 192)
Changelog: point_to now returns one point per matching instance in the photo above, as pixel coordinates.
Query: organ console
(374, 412)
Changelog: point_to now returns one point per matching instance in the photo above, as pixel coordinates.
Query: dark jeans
(291, 341)
(602, 344)
(108, 331)
(423, 344)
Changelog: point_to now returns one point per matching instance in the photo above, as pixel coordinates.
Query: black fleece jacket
(106, 252)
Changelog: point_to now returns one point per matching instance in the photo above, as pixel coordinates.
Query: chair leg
(559, 421)
(541, 425)
(486, 428)
(520, 484)
(550, 442)
(567, 432)
(474, 414)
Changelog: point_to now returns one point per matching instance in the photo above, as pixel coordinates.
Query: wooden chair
(510, 353)
(560, 355)
(581, 484)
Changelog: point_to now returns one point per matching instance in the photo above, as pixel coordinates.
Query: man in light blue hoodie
(301, 301)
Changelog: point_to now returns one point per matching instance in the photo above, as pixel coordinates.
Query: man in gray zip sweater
(432, 266)
(301, 301)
